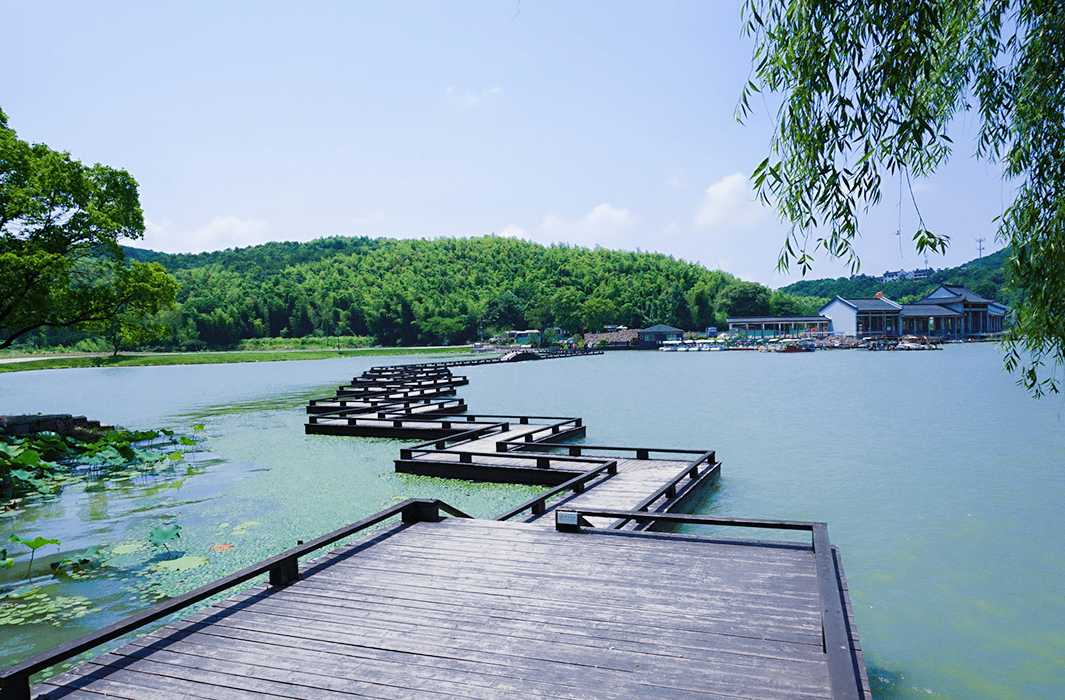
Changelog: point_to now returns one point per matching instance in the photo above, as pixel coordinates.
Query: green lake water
(941, 482)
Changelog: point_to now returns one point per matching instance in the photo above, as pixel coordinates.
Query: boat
(795, 346)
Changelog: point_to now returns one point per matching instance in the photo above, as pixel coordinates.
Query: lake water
(941, 482)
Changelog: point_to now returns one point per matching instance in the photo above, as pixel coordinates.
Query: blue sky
(590, 123)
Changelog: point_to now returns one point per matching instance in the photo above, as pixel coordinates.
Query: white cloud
(513, 231)
(730, 202)
(671, 229)
(601, 226)
(220, 233)
(469, 100)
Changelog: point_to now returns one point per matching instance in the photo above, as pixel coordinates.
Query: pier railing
(538, 504)
(559, 427)
(395, 414)
(585, 450)
(835, 640)
(376, 397)
(282, 569)
(544, 355)
(400, 385)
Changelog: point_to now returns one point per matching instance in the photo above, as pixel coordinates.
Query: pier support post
(16, 688)
(421, 512)
(286, 571)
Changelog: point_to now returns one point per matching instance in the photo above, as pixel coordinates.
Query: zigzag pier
(576, 593)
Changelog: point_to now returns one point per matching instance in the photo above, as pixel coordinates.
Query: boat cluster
(905, 343)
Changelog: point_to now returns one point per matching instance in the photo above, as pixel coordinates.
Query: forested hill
(986, 277)
(414, 292)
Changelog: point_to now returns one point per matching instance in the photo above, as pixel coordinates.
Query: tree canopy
(60, 261)
(873, 88)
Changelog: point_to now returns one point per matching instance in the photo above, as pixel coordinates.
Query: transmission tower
(980, 246)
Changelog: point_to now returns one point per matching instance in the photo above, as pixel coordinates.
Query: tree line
(425, 292)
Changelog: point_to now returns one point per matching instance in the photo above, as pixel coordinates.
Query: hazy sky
(591, 123)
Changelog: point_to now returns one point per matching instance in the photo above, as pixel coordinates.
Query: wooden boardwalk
(480, 609)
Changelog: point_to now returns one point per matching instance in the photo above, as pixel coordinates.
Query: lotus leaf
(182, 563)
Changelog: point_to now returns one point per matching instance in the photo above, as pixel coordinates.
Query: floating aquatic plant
(34, 544)
(181, 563)
(162, 534)
(36, 606)
(89, 560)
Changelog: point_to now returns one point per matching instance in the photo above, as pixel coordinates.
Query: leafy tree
(505, 312)
(871, 88)
(60, 222)
(597, 312)
(743, 299)
(139, 291)
(784, 304)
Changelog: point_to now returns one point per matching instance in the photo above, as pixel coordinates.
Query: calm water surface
(941, 482)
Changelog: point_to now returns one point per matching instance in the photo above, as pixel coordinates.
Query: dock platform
(456, 607)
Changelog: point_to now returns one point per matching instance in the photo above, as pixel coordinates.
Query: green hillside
(380, 291)
(416, 292)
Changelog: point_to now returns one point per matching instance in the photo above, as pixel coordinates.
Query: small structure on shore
(653, 337)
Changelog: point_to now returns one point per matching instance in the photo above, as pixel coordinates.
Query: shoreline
(151, 359)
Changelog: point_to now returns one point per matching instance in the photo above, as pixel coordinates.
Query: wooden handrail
(282, 569)
(538, 503)
(669, 488)
(406, 453)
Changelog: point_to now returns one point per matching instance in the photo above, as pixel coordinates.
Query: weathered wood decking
(482, 609)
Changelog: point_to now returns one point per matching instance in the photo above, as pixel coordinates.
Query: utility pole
(980, 245)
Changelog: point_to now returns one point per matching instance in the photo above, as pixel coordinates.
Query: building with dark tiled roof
(949, 311)
(979, 316)
(653, 337)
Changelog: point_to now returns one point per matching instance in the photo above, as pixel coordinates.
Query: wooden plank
(483, 609)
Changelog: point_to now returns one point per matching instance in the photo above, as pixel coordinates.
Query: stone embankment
(839, 342)
(62, 423)
(625, 337)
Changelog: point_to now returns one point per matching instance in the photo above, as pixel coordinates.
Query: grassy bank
(203, 358)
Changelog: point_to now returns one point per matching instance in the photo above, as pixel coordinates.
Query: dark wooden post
(286, 571)
(16, 688)
(421, 512)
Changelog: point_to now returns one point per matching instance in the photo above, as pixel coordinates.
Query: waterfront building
(978, 316)
(949, 311)
(767, 326)
(863, 317)
(653, 337)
